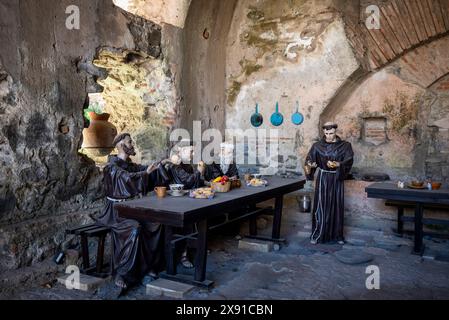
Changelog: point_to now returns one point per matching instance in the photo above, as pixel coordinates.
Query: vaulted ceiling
(404, 25)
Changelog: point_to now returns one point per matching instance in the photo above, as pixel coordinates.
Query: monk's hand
(312, 164)
(333, 164)
(152, 167)
(165, 161)
(201, 167)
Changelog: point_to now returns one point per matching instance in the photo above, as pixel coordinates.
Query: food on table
(223, 180)
(221, 184)
(202, 193)
(417, 184)
(255, 182)
(235, 183)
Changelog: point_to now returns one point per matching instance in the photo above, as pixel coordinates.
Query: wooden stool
(85, 232)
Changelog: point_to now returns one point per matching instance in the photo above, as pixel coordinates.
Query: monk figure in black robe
(227, 167)
(137, 247)
(183, 172)
(332, 159)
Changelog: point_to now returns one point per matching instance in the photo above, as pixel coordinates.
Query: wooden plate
(415, 187)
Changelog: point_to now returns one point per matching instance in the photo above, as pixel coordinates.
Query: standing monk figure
(332, 158)
(137, 247)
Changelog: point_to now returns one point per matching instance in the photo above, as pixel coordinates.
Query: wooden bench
(89, 231)
(401, 205)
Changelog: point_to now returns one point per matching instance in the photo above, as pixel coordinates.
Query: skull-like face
(330, 132)
(186, 154)
(330, 135)
(226, 153)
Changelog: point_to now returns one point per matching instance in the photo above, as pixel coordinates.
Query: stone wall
(45, 184)
(204, 63)
(286, 52)
(230, 56)
(395, 118)
(173, 12)
(139, 95)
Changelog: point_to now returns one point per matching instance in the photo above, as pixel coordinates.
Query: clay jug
(101, 132)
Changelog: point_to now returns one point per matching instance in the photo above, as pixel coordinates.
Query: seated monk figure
(183, 172)
(227, 167)
(137, 247)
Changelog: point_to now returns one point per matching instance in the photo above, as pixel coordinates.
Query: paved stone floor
(303, 271)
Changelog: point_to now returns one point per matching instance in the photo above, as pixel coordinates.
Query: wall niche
(374, 130)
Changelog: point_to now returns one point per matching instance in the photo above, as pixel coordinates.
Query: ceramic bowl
(176, 187)
(436, 185)
(417, 184)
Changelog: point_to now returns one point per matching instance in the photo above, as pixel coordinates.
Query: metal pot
(304, 203)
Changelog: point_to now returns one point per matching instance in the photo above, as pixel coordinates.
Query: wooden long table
(179, 212)
(420, 197)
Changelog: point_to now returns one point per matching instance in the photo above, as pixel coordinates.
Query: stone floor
(300, 270)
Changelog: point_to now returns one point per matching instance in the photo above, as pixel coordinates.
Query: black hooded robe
(185, 174)
(137, 247)
(214, 171)
(328, 206)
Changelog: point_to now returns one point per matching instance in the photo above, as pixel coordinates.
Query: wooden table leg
(100, 252)
(85, 251)
(276, 234)
(253, 226)
(201, 252)
(169, 251)
(400, 222)
(418, 229)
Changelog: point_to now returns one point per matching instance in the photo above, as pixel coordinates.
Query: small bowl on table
(235, 184)
(417, 184)
(436, 185)
(177, 189)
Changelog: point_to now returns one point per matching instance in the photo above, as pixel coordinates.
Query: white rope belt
(117, 200)
(327, 171)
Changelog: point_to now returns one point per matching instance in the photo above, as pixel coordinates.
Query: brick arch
(424, 64)
(404, 26)
(407, 29)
